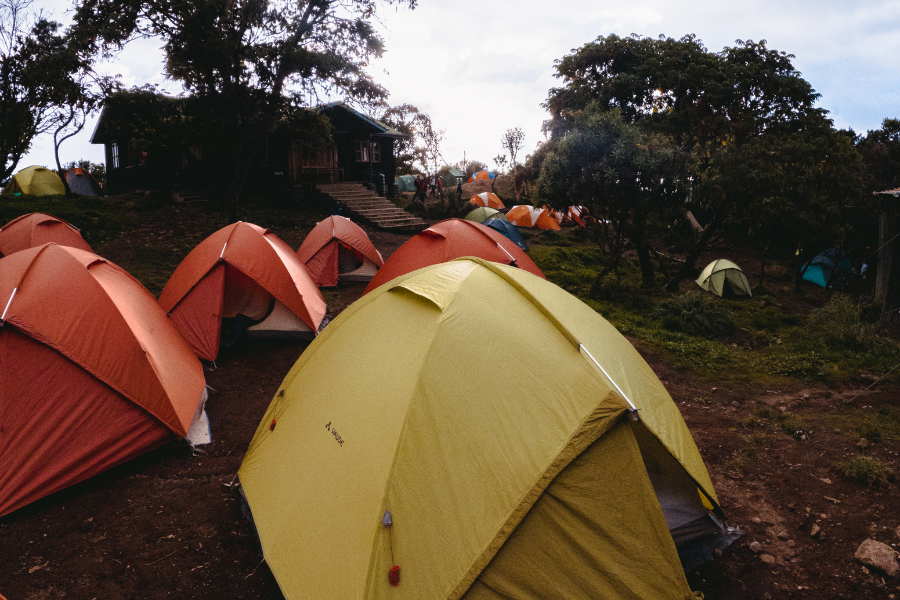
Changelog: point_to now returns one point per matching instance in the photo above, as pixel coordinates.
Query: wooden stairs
(365, 204)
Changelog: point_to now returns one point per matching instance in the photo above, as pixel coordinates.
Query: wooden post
(887, 283)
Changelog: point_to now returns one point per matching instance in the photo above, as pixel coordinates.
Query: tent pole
(3, 317)
(634, 409)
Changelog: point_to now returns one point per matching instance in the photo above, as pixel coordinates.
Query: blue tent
(829, 269)
(507, 229)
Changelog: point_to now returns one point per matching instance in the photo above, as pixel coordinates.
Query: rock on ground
(880, 556)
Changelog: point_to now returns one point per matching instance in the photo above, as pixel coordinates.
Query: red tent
(37, 229)
(93, 374)
(338, 249)
(242, 269)
(449, 239)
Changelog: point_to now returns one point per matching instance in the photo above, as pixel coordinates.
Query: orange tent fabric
(93, 374)
(321, 250)
(488, 199)
(37, 229)
(481, 176)
(237, 270)
(528, 216)
(449, 239)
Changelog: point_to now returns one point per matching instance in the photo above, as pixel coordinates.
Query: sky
(479, 68)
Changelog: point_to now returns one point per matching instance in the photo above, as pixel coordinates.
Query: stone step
(368, 205)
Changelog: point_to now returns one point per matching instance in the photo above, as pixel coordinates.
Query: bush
(840, 322)
(697, 314)
(866, 469)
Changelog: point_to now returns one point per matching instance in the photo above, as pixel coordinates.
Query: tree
(512, 143)
(500, 161)
(745, 113)
(622, 174)
(245, 61)
(409, 154)
(37, 75)
(431, 139)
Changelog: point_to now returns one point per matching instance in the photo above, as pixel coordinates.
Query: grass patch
(695, 313)
(866, 469)
(883, 425)
(769, 417)
(97, 218)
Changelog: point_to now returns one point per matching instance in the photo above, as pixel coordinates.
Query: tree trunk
(242, 156)
(687, 269)
(762, 264)
(889, 270)
(639, 227)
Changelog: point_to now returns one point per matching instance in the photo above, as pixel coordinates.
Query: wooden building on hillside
(362, 150)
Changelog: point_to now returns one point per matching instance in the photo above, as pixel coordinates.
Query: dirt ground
(167, 525)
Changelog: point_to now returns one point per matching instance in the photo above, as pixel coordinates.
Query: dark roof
(341, 116)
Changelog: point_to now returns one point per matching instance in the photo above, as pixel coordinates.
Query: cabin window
(114, 154)
(362, 152)
(368, 152)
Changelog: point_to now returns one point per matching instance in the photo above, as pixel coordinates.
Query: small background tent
(83, 183)
(723, 277)
(507, 229)
(451, 239)
(93, 373)
(405, 183)
(481, 176)
(542, 484)
(487, 199)
(35, 181)
(247, 273)
(337, 249)
(37, 229)
(528, 216)
(483, 212)
(452, 177)
(829, 269)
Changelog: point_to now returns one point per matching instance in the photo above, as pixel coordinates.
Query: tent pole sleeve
(511, 257)
(611, 380)
(223, 251)
(13, 295)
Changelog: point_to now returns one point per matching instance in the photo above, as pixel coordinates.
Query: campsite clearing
(168, 524)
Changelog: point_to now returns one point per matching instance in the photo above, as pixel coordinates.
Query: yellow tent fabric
(35, 181)
(723, 276)
(496, 486)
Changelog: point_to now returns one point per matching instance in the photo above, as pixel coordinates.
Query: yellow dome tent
(388, 445)
(723, 277)
(35, 181)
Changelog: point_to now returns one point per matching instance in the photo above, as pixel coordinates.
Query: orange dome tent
(528, 216)
(487, 199)
(37, 229)
(93, 373)
(242, 269)
(449, 239)
(481, 176)
(338, 249)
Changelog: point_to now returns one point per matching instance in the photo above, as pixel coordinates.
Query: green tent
(451, 177)
(574, 476)
(35, 181)
(405, 183)
(723, 277)
(482, 213)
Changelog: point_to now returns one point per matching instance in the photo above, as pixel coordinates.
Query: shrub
(698, 313)
(866, 469)
(840, 322)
